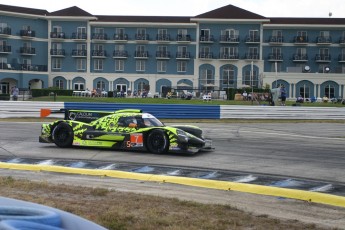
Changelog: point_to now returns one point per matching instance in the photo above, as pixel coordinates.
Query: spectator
(300, 99)
(15, 92)
(283, 95)
(325, 99)
(245, 95)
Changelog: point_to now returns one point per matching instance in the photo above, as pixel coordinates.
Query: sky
(266, 8)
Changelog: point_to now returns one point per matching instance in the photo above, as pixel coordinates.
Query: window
(304, 91)
(140, 65)
(98, 64)
(230, 33)
(181, 66)
(277, 33)
(78, 86)
(228, 76)
(182, 32)
(206, 79)
(250, 79)
(81, 33)
(81, 64)
(56, 63)
(57, 29)
(253, 35)
(100, 85)
(205, 34)
(329, 91)
(119, 65)
(59, 84)
(161, 66)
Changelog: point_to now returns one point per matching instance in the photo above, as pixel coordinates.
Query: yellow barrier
(315, 197)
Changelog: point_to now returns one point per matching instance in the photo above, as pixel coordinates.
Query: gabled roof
(230, 12)
(73, 11)
(23, 10)
(308, 21)
(141, 19)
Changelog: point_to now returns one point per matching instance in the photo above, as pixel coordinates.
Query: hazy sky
(267, 8)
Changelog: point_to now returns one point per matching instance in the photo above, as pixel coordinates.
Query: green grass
(170, 101)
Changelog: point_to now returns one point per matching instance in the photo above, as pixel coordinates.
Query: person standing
(15, 92)
(283, 95)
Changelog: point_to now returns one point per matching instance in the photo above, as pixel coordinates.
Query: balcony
(232, 39)
(206, 55)
(300, 58)
(141, 54)
(275, 57)
(31, 67)
(120, 37)
(206, 39)
(5, 49)
(183, 38)
(162, 55)
(5, 31)
(27, 33)
(142, 37)
(229, 56)
(57, 35)
(276, 40)
(183, 55)
(79, 53)
(341, 58)
(324, 40)
(57, 52)
(99, 54)
(251, 56)
(100, 36)
(322, 58)
(300, 40)
(252, 39)
(120, 54)
(79, 36)
(163, 38)
(27, 51)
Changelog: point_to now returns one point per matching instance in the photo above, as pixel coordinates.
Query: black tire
(157, 141)
(63, 135)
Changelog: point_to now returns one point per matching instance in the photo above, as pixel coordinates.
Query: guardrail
(11, 109)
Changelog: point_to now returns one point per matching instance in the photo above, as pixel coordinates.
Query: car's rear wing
(86, 116)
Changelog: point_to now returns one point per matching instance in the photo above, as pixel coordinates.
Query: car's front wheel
(63, 135)
(157, 141)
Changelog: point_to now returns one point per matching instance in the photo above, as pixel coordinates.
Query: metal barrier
(10, 109)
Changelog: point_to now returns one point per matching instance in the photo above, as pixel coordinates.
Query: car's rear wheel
(63, 135)
(157, 141)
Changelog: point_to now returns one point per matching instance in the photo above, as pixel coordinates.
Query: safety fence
(11, 109)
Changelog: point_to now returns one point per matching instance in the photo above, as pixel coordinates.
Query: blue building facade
(228, 47)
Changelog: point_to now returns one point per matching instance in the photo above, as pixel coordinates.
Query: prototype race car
(127, 129)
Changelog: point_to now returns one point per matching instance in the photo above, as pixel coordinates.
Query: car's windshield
(147, 120)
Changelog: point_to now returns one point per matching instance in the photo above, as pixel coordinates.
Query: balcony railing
(100, 36)
(229, 56)
(31, 67)
(99, 53)
(5, 49)
(252, 39)
(276, 40)
(57, 52)
(301, 39)
(163, 38)
(162, 54)
(324, 40)
(275, 57)
(183, 55)
(141, 54)
(183, 38)
(300, 57)
(79, 53)
(58, 35)
(27, 33)
(229, 39)
(27, 51)
(206, 39)
(79, 36)
(322, 58)
(251, 56)
(120, 54)
(120, 37)
(142, 37)
(5, 31)
(206, 55)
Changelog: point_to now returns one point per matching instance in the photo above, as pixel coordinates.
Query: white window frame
(140, 65)
(81, 64)
(119, 65)
(56, 63)
(181, 66)
(161, 66)
(98, 64)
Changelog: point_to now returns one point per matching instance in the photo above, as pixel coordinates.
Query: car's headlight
(182, 135)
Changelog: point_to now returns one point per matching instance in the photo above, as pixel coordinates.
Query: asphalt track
(313, 151)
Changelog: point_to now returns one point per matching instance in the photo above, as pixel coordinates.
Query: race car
(126, 129)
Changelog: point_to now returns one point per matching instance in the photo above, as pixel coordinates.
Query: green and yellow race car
(127, 129)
